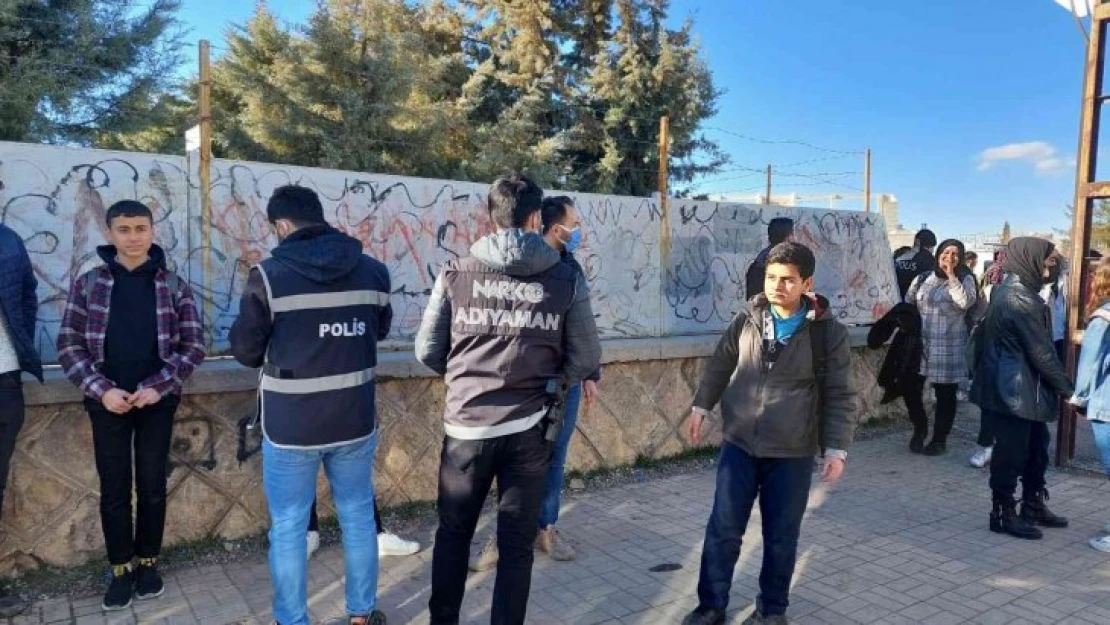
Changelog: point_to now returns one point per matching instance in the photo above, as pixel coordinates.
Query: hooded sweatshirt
(507, 326)
(131, 338)
(311, 316)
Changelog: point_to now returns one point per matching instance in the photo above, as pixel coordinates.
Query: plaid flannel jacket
(181, 344)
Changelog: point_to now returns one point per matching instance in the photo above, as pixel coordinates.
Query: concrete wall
(661, 297)
(643, 284)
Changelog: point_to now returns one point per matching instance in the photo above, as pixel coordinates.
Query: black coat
(899, 372)
(1018, 373)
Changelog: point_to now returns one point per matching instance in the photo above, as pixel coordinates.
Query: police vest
(317, 387)
(506, 345)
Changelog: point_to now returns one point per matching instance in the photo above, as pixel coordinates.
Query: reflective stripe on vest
(310, 301)
(317, 385)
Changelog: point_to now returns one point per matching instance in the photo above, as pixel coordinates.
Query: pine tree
(72, 70)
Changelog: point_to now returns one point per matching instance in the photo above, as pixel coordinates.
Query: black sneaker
(148, 583)
(119, 592)
(705, 616)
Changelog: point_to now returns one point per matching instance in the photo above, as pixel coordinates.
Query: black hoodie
(131, 337)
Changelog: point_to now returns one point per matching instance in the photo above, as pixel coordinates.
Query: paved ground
(903, 539)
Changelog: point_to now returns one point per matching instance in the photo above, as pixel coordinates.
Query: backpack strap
(818, 331)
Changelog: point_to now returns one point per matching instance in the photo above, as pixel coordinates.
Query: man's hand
(693, 427)
(590, 392)
(832, 470)
(145, 397)
(116, 401)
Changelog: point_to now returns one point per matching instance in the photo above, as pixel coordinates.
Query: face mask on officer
(574, 240)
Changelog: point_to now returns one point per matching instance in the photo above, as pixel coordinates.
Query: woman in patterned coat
(943, 298)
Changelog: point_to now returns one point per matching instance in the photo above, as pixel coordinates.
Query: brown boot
(551, 542)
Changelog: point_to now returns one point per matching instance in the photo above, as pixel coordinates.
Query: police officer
(510, 327)
(311, 316)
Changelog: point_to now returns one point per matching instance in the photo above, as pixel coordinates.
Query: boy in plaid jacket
(130, 337)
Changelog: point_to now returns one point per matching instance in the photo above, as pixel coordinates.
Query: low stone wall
(51, 514)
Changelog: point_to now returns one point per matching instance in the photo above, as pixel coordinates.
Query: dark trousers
(986, 430)
(782, 486)
(314, 518)
(11, 421)
(1020, 450)
(914, 397)
(466, 471)
(146, 433)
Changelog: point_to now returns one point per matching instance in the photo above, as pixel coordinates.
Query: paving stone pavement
(903, 539)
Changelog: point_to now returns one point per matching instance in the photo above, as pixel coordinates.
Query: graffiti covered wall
(56, 199)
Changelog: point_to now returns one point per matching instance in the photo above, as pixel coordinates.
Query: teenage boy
(780, 373)
(130, 337)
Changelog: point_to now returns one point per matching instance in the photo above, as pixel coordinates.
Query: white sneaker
(982, 457)
(1102, 543)
(313, 542)
(394, 545)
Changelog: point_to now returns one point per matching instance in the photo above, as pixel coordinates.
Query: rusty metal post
(1087, 191)
(867, 182)
(767, 199)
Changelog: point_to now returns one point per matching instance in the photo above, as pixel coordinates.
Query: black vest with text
(506, 346)
(317, 387)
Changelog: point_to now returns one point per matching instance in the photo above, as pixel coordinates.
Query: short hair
(297, 204)
(128, 208)
(513, 199)
(925, 238)
(779, 229)
(794, 254)
(970, 256)
(554, 210)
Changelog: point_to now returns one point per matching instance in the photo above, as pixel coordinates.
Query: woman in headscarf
(943, 298)
(1017, 381)
(994, 274)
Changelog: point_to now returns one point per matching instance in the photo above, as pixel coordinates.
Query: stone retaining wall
(51, 514)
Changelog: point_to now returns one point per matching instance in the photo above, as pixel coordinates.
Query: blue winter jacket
(18, 299)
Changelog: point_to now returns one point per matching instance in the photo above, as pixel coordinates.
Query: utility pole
(867, 182)
(664, 211)
(1088, 190)
(206, 177)
(767, 198)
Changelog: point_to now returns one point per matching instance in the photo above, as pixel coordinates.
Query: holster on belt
(553, 417)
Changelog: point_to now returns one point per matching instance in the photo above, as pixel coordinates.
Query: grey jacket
(497, 362)
(772, 412)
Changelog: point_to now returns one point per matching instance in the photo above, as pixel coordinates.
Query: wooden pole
(767, 198)
(664, 214)
(867, 182)
(1087, 189)
(206, 177)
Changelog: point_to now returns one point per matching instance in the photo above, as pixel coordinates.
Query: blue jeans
(289, 479)
(1102, 443)
(782, 486)
(553, 496)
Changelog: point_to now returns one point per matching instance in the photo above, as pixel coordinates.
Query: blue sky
(970, 107)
